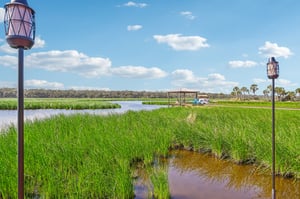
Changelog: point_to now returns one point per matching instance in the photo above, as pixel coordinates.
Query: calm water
(8, 117)
(196, 176)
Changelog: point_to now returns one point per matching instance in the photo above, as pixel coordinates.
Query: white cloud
(134, 4)
(134, 27)
(242, 64)
(188, 15)
(138, 72)
(72, 61)
(5, 84)
(38, 42)
(2, 11)
(214, 82)
(69, 61)
(273, 50)
(89, 88)
(9, 61)
(285, 83)
(34, 83)
(259, 81)
(178, 42)
(5, 48)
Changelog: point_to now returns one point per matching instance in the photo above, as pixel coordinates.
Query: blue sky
(155, 45)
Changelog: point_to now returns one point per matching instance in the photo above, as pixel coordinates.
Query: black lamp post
(19, 22)
(273, 73)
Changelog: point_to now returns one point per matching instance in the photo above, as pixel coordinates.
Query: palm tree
(253, 88)
(236, 91)
(244, 90)
(280, 92)
(290, 95)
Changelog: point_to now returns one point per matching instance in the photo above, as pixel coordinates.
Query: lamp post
(19, 23)
(273, 73)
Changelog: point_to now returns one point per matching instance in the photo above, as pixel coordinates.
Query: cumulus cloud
(242, 64)
(273, 50)
(134, 4)
(34, 83)
(179, 42)
(215, 82)
(188, 15)
(134, 27)
(39, 42)
(138, 72)
(69, 61)
(72, 61)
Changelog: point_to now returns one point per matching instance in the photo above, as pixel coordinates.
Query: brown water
(195, 176)
(198, 176)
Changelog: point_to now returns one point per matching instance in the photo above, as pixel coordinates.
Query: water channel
(8, 117)
(191, 175)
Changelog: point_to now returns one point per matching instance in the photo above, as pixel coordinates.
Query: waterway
(9, 117)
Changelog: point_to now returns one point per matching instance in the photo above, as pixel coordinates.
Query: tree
(280, 92)
(253, 88)
(297, 91)
(290, 96)
(244, 90)
(236, 91)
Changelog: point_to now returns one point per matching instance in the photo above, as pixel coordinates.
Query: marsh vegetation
(90, 156)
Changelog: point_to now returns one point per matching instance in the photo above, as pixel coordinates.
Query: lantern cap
(24, 2)
(272, 59)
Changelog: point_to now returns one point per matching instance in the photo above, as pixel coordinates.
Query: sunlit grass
(57, 103)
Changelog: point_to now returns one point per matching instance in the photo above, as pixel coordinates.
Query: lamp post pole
(273, 140)
(21, 124)
(273, 73)
(19, 23)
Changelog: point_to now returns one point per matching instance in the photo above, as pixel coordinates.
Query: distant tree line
(281, 94)
(46, 93)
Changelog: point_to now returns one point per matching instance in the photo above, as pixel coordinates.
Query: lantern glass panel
(272, 70)
(20, 21)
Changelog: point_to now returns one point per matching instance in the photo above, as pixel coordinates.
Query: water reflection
(9, 117)
(193, 175)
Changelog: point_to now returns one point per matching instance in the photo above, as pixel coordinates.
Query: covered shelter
(181, 96)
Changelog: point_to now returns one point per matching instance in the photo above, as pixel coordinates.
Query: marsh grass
(90, 156)
(57, 103)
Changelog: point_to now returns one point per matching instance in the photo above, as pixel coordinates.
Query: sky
(154, 45)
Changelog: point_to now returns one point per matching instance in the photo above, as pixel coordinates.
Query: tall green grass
(90, 156)
(57, 103)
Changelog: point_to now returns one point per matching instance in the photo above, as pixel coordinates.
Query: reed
(57, 103)
(90, 156)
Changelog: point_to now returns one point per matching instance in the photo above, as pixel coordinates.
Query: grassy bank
(88, 156)
(57, 103)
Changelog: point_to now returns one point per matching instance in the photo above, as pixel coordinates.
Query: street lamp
(19, 23)
(273, 73)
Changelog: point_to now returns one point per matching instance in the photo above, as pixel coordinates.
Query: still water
(196, 176)
(193, 175)
(8, 117)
